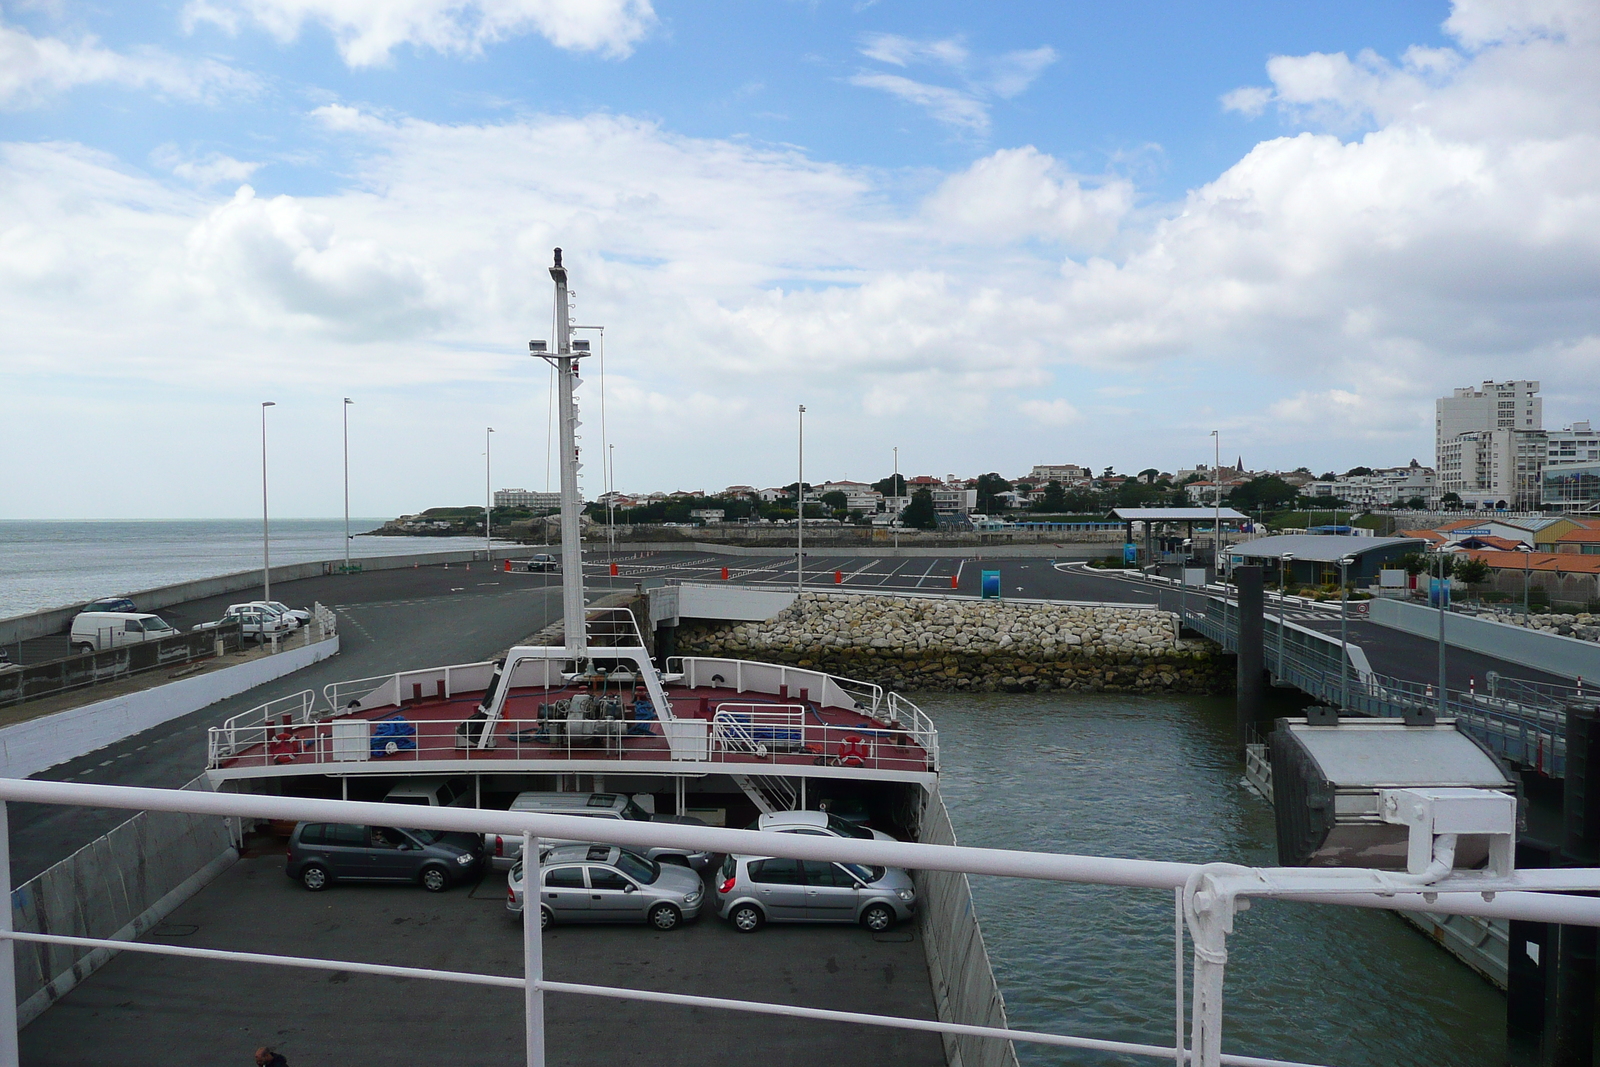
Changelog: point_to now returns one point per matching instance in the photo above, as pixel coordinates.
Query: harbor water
(1156, 777)
(52, 564)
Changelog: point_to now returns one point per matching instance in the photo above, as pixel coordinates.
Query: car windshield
(638, 868)
(866, 874)
(634, 811)
(153, 624)
(846, 829)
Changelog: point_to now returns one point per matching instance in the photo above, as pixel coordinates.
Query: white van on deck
(96, 631)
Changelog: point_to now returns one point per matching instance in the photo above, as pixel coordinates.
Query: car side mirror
(630, 888)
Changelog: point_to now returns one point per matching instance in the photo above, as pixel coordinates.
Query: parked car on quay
(254, 621)
(504, 849)
(96, 631)
(323, 853)
(603, 883)
(543, 561)
(753, 891)
(817, 824)
(111, 603)
(298, 616)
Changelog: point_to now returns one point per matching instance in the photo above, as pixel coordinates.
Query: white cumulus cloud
(34, 69)
(368, 31)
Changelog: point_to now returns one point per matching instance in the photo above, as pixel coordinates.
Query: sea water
(52, 564)
(1157, 777)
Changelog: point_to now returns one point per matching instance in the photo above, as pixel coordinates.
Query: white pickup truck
(255, 620)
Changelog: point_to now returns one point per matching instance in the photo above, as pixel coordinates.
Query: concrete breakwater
(939, 644)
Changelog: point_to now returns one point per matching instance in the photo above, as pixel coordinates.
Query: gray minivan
(321, 853)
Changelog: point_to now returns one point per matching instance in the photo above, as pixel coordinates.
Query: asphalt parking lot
(169, 1012)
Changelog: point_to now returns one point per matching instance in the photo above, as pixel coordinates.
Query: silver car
(753, 891)
(603, 883)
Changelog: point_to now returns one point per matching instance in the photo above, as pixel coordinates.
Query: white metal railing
(747, 735)
(758, 728)
(1206, 899)
(296, 708)
(751, 676)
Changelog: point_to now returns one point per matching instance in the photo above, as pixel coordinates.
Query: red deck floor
(831, 736)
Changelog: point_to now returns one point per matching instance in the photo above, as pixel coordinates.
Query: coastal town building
(526, 499)
(1490, 444)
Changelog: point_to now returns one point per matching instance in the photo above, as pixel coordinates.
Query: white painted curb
(38, 744)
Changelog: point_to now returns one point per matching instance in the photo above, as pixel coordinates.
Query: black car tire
(747, 918)
(665, 917)
(315, 877)
(84, 650)
(545, 917)
(877, 917)
(435, 879)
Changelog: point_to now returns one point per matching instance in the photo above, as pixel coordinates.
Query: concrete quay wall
(910, 643)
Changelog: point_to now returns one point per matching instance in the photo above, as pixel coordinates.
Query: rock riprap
(929, 643)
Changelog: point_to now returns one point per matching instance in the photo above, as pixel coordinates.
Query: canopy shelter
(1152, 517)
(1313, 559)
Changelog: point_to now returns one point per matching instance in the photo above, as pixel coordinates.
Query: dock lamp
(1527, 563)
(1283, 592)
(1344, 631)
(266, 541)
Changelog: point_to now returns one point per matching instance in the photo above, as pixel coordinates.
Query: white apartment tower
(1490, 444)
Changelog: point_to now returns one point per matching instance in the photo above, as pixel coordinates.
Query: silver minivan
(753, 891)
(603, 883)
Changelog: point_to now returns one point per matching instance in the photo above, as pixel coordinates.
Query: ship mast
(566, 364)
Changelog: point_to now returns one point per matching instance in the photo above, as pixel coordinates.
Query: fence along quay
(1207, 899)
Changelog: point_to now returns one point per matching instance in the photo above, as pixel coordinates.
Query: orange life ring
(853, 750)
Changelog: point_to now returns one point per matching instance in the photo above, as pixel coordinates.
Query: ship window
(776, 872)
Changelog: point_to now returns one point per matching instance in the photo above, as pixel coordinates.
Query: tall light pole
(488, 496)
(1283, 593)
(611, 499)
(1216, 503)
(800, 509)
(347, 403)
(1527, 560)
(266, 544)
(1444, 560)
(894, 523)
(1344, 631)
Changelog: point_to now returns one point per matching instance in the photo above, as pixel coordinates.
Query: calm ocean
(53, 564)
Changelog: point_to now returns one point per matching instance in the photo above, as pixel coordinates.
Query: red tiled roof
(1573, 537)
(1565, 562)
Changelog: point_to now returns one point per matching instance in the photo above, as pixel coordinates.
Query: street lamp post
(1216, 504)
(1444, 570)
(1527, 559)
(488, 498)
(1283, 593)
(347, 403)
(266, 543)
(1344, 631)
(611, 500)
(800, 509)
(894, 521)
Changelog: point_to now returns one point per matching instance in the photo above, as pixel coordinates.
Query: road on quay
(1390, 652)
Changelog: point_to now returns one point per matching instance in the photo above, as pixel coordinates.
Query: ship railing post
(8, 955)
(532, 950)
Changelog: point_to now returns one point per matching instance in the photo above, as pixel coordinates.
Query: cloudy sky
(990, 235)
